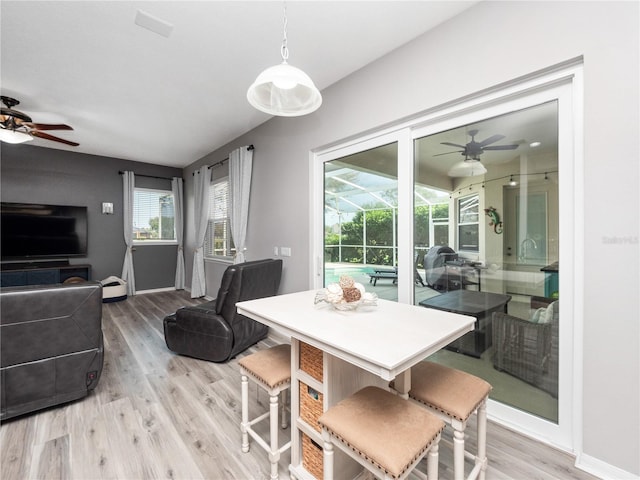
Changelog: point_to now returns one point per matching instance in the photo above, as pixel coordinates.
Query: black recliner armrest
(203, 319)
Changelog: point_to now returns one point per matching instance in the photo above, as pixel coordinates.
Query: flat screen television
(38, 231)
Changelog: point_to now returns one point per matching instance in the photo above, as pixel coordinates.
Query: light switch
(107, 208)
(285, 251)
(275, 251)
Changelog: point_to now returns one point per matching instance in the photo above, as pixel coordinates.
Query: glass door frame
(562, 83)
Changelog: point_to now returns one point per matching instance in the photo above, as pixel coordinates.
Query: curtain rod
(249, 148)
(148, 176)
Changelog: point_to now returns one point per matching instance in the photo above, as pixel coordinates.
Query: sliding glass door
(465, 204)
(499, 260)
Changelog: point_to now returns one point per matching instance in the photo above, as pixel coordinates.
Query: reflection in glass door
(361, 220)
(497, 181)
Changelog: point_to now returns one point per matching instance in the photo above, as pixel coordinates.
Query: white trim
(579, 258)
(405, 222)
(603, 470)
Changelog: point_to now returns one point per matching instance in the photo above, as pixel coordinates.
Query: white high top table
(369, 346)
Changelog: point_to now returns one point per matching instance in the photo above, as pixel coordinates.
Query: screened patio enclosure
(361, 215)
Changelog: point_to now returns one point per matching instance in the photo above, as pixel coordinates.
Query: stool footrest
(264, 444)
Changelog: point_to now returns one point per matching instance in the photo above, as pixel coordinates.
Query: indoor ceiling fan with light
(17, 127)
(471, 164)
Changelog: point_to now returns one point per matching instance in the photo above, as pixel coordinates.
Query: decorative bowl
(342, 296)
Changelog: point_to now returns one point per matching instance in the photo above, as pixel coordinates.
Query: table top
(469, 302)
(385, 339)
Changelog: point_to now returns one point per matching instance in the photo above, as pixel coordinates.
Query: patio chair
(392, 273)
(528, 348)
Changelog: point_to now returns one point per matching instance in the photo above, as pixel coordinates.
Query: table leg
(402, 383)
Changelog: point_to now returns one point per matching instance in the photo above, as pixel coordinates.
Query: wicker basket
(310, 406)
(312, 457)
(311, 360)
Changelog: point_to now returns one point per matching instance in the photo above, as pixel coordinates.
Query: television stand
(42, 273)
(35, 264)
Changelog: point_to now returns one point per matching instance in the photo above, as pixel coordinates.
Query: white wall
(491, 43)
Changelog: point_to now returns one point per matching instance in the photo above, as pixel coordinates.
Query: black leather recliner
(51, 345)
(213, 330)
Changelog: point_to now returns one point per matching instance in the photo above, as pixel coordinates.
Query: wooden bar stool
(454, 396)
(271, 370)
(386, 434)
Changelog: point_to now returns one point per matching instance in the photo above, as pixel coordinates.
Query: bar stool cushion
(453, 392)
(271, 367)
(388, 431)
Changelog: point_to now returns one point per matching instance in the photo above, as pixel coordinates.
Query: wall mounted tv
(37, 231)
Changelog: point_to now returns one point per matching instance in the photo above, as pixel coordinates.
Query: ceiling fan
(474, 149)
(17, 127)
(471, 152)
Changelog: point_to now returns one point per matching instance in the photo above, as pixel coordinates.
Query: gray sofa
(51, 346)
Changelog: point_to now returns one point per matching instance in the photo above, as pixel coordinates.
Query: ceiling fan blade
(453, 144)
(46, 136)
(49, 126)
(448, 153)
(491, 139)
(501, 147)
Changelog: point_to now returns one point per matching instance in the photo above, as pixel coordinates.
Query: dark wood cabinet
(14, 275)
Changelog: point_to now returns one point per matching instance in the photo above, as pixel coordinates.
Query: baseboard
(603, 470)
(155, 290)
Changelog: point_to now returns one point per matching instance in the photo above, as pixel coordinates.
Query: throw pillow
(538, 316)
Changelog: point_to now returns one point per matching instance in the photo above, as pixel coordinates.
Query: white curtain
(201, 218)
(240, 165)
(128, 182)
(178, 200)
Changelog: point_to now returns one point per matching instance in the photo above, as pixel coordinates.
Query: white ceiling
(133, 94)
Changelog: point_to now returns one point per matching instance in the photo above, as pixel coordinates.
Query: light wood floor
(157, 415)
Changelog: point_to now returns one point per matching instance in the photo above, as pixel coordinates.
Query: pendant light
(284, 90)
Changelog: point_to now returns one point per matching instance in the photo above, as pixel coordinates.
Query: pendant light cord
(284, 51)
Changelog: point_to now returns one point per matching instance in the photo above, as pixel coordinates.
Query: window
(218, 242)
(153, 216)
(468, 219)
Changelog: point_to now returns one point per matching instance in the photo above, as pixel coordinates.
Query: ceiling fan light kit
(17, 127)
(467, 168)
(13, 136)
(284, 90)
(471, 165)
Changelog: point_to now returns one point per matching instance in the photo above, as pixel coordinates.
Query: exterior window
(468, 218)
(153, 216)
(440, 223)
(218, 242)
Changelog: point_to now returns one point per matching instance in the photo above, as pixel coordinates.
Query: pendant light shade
(13, 136)
(467, 168)
(284, 90)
